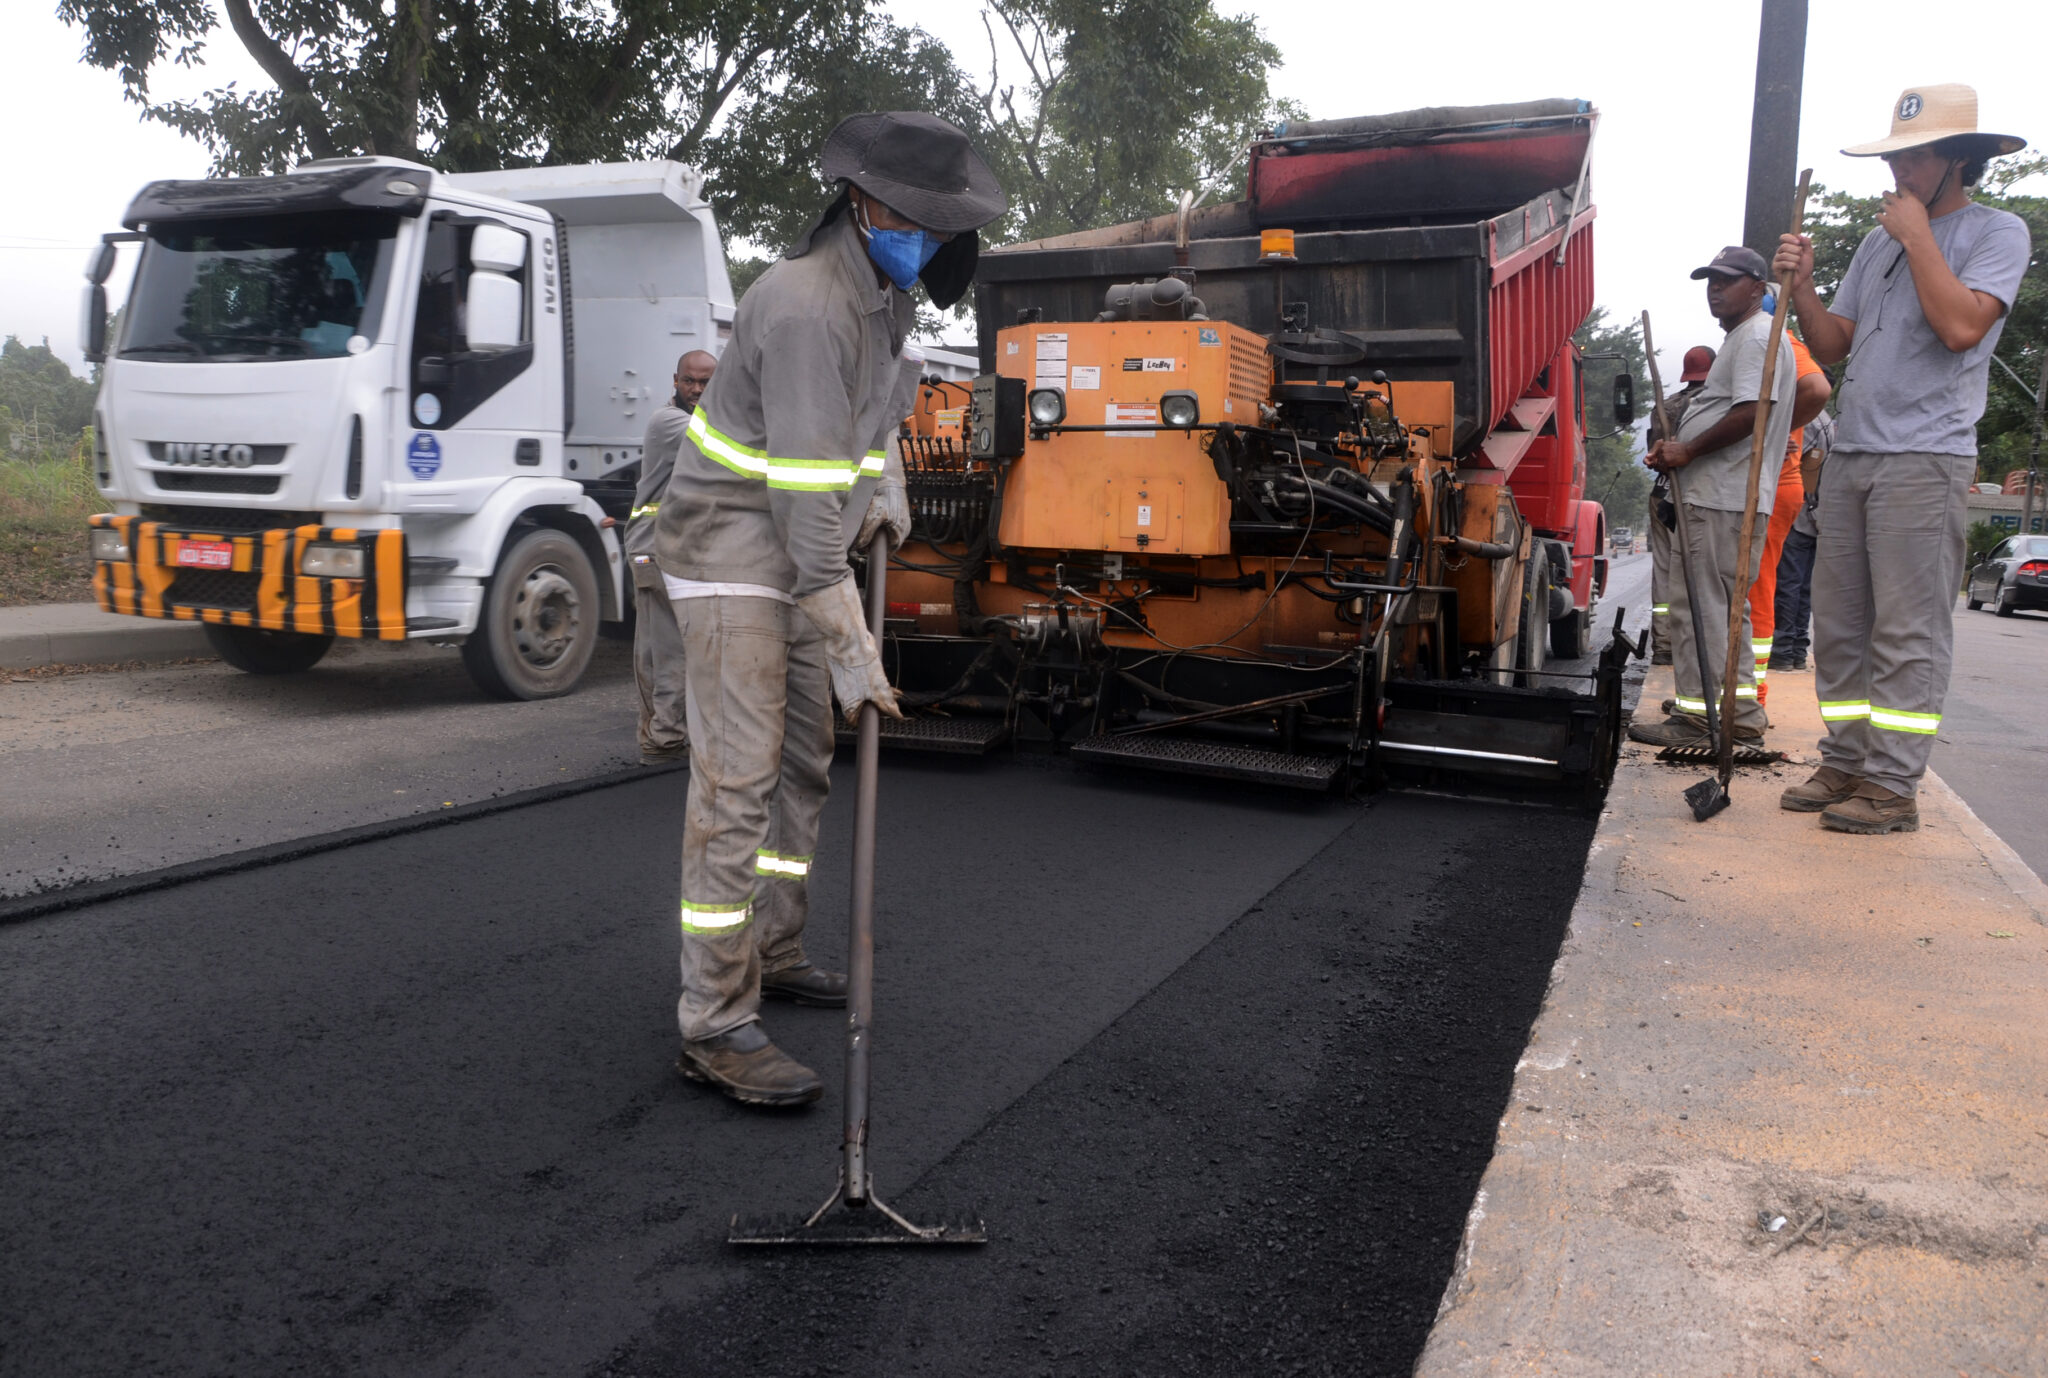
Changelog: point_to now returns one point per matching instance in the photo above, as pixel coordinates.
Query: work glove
(888, 509)
(856, 668)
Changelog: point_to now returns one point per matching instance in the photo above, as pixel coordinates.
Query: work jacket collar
(844, 241)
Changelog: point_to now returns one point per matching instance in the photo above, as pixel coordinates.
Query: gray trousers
(760, 713)
(658, 669)
(1885, 576)
(1663, 550)
(1716, 539)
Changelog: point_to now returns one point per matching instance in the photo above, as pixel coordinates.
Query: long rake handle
(860, 943)
(1756, 470)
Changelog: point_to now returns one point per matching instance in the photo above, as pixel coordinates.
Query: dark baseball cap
(1736, 262)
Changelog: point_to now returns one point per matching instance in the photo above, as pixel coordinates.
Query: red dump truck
(1289, 489)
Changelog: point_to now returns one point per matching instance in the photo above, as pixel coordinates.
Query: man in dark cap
(1712, 448)
(792, 442)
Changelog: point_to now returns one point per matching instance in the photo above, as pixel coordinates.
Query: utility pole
(2034, 459)
(1774, 125)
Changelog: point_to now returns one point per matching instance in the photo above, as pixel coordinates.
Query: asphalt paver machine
(1286, 490)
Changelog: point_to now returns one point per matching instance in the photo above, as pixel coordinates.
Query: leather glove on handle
(857, 675)
(890, 507)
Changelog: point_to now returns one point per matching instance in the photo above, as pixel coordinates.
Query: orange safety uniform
(1791, 493)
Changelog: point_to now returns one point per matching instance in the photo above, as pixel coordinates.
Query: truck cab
(345, 401)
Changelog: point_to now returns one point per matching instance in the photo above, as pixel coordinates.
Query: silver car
(2013, 576)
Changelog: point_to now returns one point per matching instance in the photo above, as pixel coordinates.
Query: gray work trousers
(1663, 550)
(1885, 576)
(760, 714)
(658, 669)
(1716, 539)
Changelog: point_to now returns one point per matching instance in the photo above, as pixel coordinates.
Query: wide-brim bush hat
(918, 165)
(1930, 114)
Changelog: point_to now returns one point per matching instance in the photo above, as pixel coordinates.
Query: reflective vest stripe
(1845, 710)
(798, 475)
(1899, 720)
(715, 918)
(769, 863)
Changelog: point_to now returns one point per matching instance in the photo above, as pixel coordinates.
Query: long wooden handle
(1756, 469)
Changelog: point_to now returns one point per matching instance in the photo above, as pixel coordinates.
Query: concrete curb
(81, 634)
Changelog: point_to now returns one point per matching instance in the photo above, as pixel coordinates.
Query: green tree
(1615, 477)
(1121, 107)
(2005, 434)
(42, 400)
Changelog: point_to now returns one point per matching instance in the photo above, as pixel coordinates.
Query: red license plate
(206, 554)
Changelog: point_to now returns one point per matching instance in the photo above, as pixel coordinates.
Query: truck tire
(1533, 639)
(538, 624)
(1571, 636)
(255, 651)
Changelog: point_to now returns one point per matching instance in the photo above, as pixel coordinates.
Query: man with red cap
(1663, 519)
(793, 440)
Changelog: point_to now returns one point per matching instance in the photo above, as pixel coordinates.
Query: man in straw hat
(1916, 317)
(795, 436)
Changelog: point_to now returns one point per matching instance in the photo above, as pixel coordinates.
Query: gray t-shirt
(1903, 390)
(1719, 479)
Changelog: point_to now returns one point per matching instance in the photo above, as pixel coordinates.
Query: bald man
(657, 641)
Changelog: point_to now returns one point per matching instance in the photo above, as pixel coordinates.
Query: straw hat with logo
(1929, 114)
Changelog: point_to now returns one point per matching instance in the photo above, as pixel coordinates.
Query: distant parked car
(2013, 576)
(1624, 540)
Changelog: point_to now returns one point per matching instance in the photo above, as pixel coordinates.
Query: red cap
(1698, 360)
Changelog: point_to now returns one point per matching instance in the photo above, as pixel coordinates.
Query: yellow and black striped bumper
(262, 586)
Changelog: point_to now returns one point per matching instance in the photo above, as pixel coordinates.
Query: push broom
(853, 1214)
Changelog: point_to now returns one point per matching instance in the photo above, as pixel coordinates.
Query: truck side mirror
(496, 301)
(92, 323)
(99, 263)
(1624, 399)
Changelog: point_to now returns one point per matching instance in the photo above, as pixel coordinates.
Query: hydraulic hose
(1492, 550)
(1347, 503)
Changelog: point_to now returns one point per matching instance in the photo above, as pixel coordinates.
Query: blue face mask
(901, 254)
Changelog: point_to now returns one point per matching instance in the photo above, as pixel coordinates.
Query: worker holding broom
(1713, 448)
(792, 438)
(1916, 318)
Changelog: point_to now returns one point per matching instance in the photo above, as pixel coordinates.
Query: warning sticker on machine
(1086, 378)
(1052, 346)
(1149, 365)
(1209, 335)
(1125, 414)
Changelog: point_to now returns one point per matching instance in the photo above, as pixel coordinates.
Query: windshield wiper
(168, 347)
(302, 346)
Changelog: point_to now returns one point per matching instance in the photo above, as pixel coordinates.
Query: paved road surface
(1222, 1069)
(1993, 747)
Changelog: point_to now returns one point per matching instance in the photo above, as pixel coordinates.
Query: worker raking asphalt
(1222, 1083)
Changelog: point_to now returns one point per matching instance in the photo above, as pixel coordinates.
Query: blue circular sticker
(426, 409)
(423, 456)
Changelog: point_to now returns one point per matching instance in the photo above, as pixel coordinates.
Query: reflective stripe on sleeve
(1899, 720)
(874, 461)
(716, 918)
(1845, 710)
(797, 475)
(767, 863)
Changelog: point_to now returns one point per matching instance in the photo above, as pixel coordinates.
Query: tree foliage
(1614, 476)
(41, 399)
(2005, 434)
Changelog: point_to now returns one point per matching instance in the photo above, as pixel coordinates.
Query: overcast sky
(1673, 84)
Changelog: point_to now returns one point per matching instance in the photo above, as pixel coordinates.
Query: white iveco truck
(369, 399)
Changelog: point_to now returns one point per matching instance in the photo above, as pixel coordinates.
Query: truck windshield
(259, 287)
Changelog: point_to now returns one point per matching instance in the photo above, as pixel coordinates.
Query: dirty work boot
(1660, 655)
(1827, 787)
(1873, 809)
(1676, 730)
(742, 1063)
(805, 985)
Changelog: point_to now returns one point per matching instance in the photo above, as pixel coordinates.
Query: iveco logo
(210, 456)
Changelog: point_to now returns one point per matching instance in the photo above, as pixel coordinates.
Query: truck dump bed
(1411, 249)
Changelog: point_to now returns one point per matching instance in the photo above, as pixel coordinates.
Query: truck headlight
(1180, 410)
(108, 545)
(332, 561)
(1048, 406)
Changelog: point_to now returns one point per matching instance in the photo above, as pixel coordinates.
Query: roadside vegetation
(46, 489)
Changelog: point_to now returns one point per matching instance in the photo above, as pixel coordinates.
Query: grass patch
(44, 501)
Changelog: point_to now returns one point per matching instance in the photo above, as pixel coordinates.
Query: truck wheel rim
(546, 616)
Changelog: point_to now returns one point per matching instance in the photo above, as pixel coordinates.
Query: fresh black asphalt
(1220, 1068)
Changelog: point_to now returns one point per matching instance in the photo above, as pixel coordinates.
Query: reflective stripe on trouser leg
(1902, 533)
(735, 653)
(1715, 537)
(1841, 611)
(1662, 572)
(800, 793)
(658, 672)
(778, 867)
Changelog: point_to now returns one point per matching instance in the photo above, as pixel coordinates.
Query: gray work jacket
(657, 462)
(792, 433)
